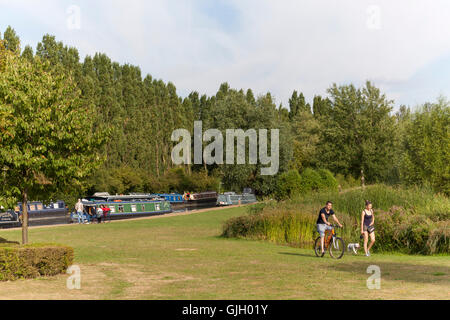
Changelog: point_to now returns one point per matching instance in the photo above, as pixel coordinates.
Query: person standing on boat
(79, 208)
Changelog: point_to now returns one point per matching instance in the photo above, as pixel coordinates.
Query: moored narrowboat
(176, 200)
(231, 198)
(39, 214)
(124, 206)
(172, 197)
(207, 196)
(9, 219)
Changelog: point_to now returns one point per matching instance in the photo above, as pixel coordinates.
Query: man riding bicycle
(323, 224)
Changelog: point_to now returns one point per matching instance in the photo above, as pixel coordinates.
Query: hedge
(328, 181)
(288, 184)
(310, 181)
(32, 261)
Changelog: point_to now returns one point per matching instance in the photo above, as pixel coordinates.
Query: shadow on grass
(4, 241)
(395, 271)
(299, 254)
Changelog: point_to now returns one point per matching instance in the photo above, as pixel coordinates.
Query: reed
(413, 221)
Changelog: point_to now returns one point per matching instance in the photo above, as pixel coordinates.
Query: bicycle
(334, 244)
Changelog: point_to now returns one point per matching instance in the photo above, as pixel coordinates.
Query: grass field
(183, 257)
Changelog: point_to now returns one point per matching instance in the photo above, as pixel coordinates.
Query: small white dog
(353, 247)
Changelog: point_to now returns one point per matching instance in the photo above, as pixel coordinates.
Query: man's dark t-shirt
(327, 215)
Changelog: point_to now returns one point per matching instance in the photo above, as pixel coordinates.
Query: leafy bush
(31, 261)
(310, 181)
(289, 183)
(200, 181)
(329, 182)
(259, 207)
(399, 230)
(347, 182)
(241, 227)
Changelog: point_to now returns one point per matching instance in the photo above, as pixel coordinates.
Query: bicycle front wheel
(337, 248)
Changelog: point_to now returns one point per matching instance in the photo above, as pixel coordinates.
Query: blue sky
(403, 46)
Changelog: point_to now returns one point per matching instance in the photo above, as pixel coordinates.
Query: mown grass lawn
(183, 257)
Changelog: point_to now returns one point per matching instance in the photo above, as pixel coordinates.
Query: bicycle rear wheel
(337, 248)
(317, 248)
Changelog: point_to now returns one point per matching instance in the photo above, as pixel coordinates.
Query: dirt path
(167, 215)
(352, 189)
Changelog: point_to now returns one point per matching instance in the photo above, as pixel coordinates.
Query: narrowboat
(39, 214)
(187, 200)
(171, 197)
(231, 198)
(9, 219)
(124, 206)
(176, 200)
(201, 199)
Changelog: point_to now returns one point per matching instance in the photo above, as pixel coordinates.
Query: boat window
(32, 207)
(113, 209)
(143, 208)
(157, 207)
(40, 207)
(121, 208)
(133, 208)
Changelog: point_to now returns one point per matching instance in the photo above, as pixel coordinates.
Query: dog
(353, 247)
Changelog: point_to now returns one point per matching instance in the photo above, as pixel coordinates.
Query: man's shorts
(321, 228)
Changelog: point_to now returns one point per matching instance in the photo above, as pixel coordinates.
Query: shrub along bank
(292, 183)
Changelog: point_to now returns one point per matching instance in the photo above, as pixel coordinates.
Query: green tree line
(349, 131)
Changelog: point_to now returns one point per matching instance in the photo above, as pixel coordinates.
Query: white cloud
(276, 46)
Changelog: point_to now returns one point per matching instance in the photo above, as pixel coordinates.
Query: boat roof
(129, 197)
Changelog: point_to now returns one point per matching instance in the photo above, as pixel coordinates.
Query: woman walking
(367, 227)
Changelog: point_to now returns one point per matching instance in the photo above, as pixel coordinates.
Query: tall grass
(407, 220)
(417, 200)
(275, 226)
